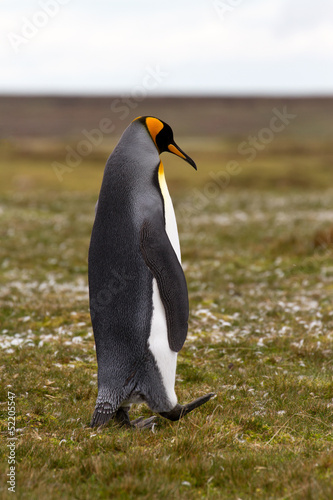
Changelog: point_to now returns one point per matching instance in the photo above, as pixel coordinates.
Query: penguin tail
(101, 415)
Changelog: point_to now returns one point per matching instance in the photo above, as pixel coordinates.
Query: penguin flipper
(163, 262)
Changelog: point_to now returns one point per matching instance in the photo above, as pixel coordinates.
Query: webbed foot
(139, 423)
(180, 411)
(102, 415)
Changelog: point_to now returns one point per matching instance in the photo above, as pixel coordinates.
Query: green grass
(260, 334)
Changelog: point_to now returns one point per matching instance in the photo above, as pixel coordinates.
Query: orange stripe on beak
(176, 151)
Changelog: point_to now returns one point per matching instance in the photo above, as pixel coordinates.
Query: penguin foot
(139, 423)
(102, 416)
(180, 411)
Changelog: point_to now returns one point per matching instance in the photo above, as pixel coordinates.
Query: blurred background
(213, 70)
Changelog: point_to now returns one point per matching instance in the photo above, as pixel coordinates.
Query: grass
(260, 334)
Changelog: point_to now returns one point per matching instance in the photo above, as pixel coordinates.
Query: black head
(162, 135)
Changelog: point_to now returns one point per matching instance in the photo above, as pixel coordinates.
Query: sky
(140, 47)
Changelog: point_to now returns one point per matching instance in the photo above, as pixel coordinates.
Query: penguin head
(162, 135)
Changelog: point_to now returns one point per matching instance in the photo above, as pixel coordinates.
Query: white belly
(158, 342)
(166, 359)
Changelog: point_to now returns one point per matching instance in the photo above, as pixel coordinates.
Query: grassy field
(257, 246)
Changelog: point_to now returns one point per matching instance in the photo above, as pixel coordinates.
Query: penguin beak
(173, 148)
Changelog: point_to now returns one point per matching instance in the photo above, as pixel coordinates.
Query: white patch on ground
(303, 303)
(67, 336)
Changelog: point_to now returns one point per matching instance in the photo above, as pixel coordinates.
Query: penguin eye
(164, 138)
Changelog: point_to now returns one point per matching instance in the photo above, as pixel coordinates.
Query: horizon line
(167, 95)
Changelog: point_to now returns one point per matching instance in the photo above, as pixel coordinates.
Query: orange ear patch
(154, 126)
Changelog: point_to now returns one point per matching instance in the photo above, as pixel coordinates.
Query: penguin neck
(169, 213)
(141, 152)
(161, 178)
(131, 173)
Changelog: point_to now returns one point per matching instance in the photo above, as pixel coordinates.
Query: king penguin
(137, 289)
